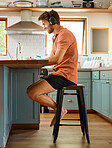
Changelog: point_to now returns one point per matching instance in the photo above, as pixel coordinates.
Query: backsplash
(31, 45)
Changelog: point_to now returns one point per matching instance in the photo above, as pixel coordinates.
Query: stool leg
(57, 102)
(58, 114)
(84, 112)
(81, 114)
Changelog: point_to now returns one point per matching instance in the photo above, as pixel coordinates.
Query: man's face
(47, 26)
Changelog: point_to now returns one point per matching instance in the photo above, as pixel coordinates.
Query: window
(78, 26)
(3, 36)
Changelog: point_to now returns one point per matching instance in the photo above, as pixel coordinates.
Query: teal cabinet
(95, 75)
(70, 101)
(96, 95)
(87, 84)
(102, 93)
(105, 97)
(85, 79)
(5, 104)
(24, 109)
(110, 103)
(15, 106)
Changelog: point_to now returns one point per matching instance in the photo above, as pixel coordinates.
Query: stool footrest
(69, 125)
(71, 119)
(70, 93)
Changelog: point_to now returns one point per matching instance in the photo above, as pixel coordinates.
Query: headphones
(52, 20)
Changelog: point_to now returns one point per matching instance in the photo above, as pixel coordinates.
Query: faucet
(18, 51)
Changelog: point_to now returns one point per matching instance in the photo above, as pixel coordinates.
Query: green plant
(2, 37)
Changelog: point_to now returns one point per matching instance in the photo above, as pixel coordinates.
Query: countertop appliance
(88, 4)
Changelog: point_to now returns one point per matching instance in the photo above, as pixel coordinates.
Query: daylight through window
(78, 28)
(3, 37)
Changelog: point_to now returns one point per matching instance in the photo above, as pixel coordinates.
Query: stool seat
(79, 91)
(74, 87)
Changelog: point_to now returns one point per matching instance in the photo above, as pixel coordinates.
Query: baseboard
(104, 117)
(34, 126)
(90, 111)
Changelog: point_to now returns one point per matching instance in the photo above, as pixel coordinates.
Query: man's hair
(46, 15)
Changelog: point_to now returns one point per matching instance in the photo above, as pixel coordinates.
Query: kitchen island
(16, 109)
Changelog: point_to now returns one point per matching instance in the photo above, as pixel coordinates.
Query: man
(64, 56)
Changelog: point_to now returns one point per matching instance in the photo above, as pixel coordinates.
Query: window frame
(5, 19)
(84, 20)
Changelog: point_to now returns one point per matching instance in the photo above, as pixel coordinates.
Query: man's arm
(54, 59)
(57, 58)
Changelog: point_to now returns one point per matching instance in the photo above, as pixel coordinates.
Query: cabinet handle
(107, 82)
(95, 74)
(33, 110)
(69, 100)
(103, 75)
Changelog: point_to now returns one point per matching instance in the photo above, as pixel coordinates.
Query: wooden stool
(82, 110)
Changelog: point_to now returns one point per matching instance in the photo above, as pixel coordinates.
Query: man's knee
(32, 93)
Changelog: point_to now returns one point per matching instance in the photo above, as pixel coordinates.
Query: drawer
(104, 75)
(70, 101)
(95, 75)
(84, 75)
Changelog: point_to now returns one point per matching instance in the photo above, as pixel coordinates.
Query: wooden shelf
(58, 9)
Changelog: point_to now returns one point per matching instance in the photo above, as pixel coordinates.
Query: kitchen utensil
(76, 4)
(23, 3)
(56, 4)
(98, 4)
(41, 3)
(4, 4)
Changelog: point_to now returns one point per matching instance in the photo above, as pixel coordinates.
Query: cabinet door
(105, 97)
(96, 95)
(24, 109)
(87, 84)
(110, 104)
(1, 106)
(5, 105)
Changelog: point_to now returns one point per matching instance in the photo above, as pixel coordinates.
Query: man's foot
(53, 121)
(63, 112)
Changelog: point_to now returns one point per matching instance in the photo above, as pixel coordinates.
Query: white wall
(36, 45)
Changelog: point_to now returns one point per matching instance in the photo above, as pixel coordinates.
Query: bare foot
(53, 120)
(63, 112)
